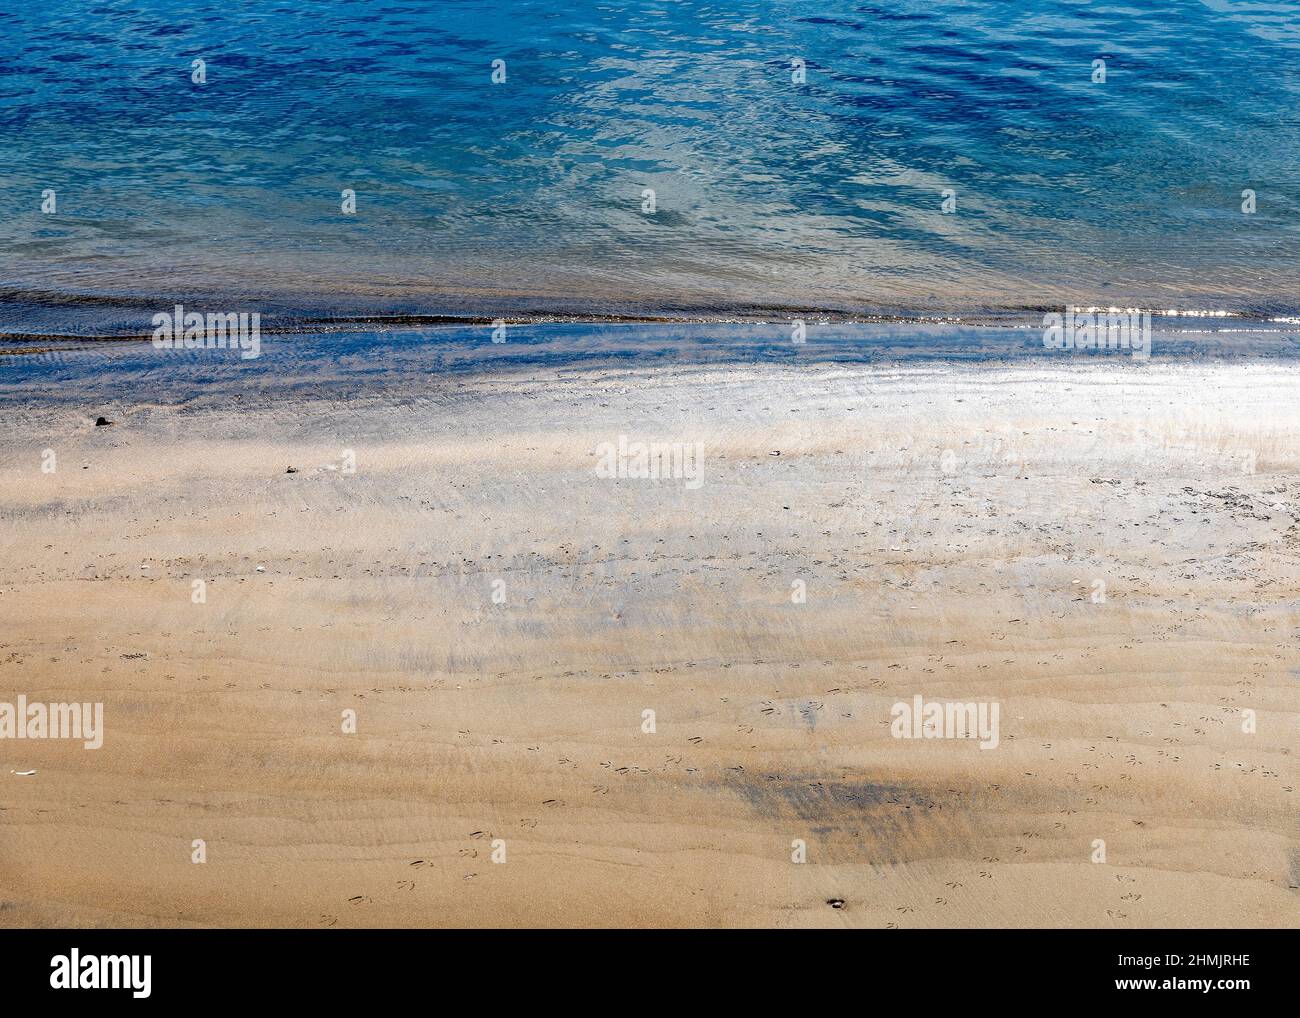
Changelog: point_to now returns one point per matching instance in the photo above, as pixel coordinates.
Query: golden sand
(1111, 558)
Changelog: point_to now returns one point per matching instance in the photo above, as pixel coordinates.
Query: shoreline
(108, 316)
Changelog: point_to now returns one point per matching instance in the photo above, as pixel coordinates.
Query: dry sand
(950, 525)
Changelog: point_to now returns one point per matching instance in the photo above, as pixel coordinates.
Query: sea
(383, 167)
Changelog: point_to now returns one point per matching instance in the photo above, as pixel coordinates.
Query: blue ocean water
(798, 154)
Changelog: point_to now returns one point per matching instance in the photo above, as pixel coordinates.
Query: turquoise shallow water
(771, 188)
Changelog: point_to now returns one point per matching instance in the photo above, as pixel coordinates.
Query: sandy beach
(1111, 556)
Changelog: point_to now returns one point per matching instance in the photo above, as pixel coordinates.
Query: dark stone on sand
(102, 422)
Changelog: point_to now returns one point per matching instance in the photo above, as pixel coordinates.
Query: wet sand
(950, 526)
